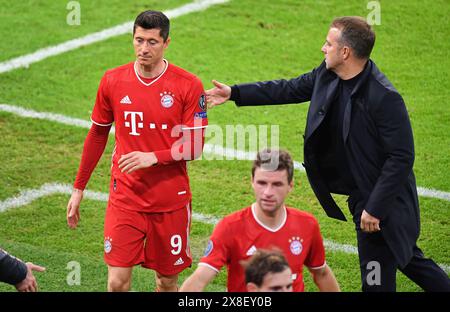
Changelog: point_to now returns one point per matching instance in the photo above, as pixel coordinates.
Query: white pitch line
(225, 153)
(433, 193)
(28, 113)
(28, 196)
(41, 54)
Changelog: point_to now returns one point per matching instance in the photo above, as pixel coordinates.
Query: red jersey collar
(253, 207)
(154, 80)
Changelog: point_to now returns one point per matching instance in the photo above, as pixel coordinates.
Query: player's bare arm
(217, 95)
(325, 279)
(202, 276)
(136, 160)
(73, 208)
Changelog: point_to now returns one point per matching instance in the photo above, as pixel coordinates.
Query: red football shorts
(158, 241)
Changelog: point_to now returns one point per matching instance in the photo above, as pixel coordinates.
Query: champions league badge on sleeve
(209, 248)
(296, 246)
(167, 99)
(202, 102)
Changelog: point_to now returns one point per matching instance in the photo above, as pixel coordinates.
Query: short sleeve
(102, 114)
(217, 251)
(316, 256)
(194, 112)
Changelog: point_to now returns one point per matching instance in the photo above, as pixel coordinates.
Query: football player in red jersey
(266, 224)
(159, 112)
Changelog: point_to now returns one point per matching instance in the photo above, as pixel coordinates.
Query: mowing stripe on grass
(27, 196)
(41, 54)
(225, 153)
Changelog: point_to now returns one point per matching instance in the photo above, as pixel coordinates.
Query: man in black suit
(358, 142)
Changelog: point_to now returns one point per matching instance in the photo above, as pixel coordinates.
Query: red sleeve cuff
(164, 157)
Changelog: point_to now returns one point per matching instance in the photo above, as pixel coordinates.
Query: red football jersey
(149, 116)
(237, 237)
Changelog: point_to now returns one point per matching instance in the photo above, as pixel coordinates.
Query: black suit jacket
(378, 142)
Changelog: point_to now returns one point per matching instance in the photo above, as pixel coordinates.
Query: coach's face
(149, 46)
(271, 188)
(333, 50)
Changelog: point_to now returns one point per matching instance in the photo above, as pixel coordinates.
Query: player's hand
(29, 284)
(369, 223)
(217, 95)
(73, 208)
(136, 160)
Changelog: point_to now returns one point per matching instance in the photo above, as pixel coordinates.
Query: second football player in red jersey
(159, 112)
(266, 224)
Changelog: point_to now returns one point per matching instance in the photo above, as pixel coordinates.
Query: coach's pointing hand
(136, 160)
(73, 208)
(217, 95)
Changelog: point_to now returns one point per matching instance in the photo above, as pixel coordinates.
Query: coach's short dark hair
(263, 262)
(151, 20)
(274, 160)
(355, 33)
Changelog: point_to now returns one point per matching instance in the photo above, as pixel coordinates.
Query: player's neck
(272, 220)
(151, 71)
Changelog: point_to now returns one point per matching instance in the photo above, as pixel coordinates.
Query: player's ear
(251, 287)
(291, 185)
(166, 43)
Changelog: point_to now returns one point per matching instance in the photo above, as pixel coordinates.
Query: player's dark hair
(263, 262)
(151, 20)
(355, 33)
(274, 160)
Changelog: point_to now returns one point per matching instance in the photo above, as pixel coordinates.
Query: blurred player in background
(267, 223)
(159, 114)
(268, 270)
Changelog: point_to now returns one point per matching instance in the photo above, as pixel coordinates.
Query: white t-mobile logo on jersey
(134, 122)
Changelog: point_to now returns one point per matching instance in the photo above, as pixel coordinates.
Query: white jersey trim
(208, 265)
(265, 226)
(317, 268)
(188, 238)
(153, 81)
(193, 128)
(102, 125)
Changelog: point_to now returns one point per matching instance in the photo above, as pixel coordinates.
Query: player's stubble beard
(151, 69)
(271, 212)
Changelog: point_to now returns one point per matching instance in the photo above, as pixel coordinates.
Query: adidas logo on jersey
(251, 251)
(179, 261)
(125, 100)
